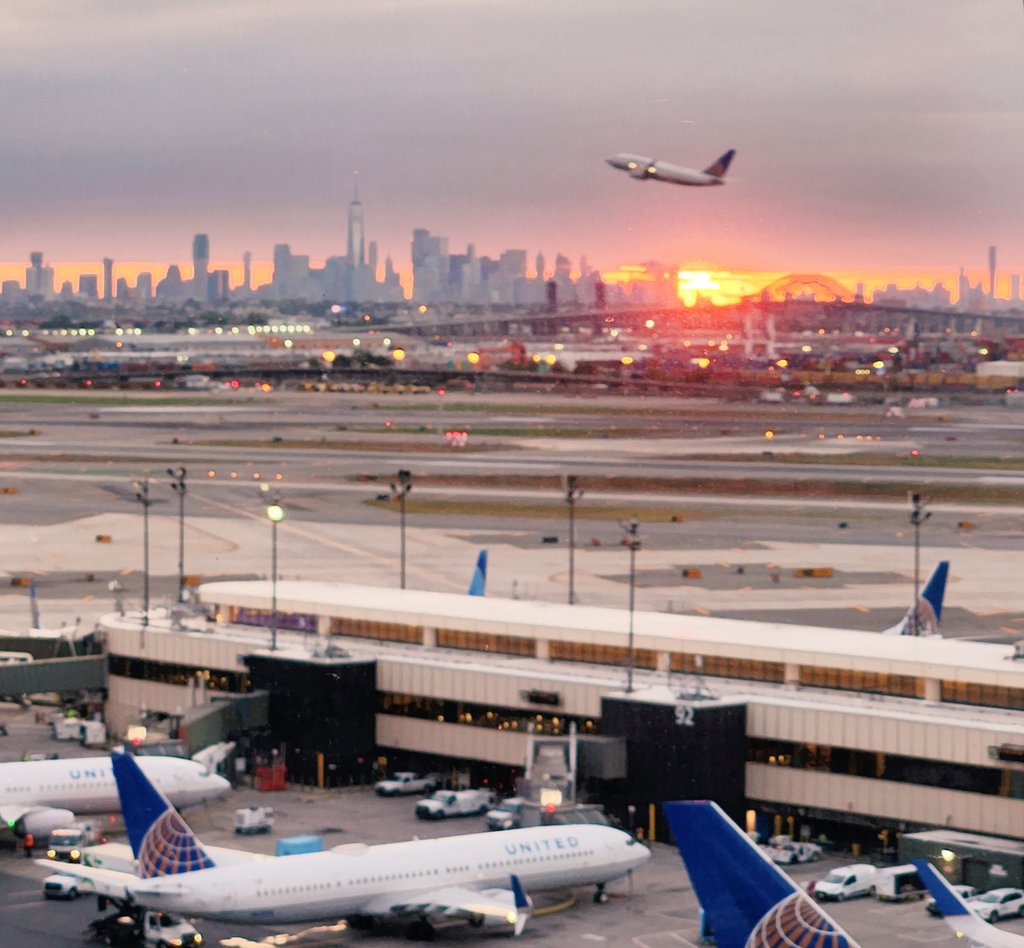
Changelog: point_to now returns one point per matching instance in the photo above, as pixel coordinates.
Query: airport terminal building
(852, 734)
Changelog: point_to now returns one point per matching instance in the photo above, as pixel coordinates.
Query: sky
(875, 135)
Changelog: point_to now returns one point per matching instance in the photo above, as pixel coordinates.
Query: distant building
(200, 267)
(108, 279)
(88, 286)
(38, 279)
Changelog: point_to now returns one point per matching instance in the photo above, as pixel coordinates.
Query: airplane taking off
(479, 878)
(959, 916)
(928, 610)
(39, 796)
(647, 169)
(749, 901)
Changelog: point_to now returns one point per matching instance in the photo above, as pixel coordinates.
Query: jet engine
(43, 820)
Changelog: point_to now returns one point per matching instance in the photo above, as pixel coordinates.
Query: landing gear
(421, 930)
(600, 896)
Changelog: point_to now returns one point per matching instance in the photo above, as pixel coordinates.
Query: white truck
(67, 843)
(899, 884)
(145, 927)
(254, 819)
(443, 804)
(405, 782)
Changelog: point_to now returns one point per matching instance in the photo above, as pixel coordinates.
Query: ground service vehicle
(254, 819)
(443, 804)
(61, 887)
(784, 852)
(997, 904)
(144, 927)
(899, 884)
(404, 782)
(68, 842)
(506, 815)
(846, 882)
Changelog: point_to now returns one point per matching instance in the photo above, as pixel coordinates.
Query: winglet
(478, 584)
(947, 900)
(745, 896)
(161, 841)
(720, 167)
(524, 907)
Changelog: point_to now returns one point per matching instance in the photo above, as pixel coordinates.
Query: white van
(846, 882)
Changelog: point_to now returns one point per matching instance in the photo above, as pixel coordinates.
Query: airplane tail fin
(478, 584)
(929, 606)
(948, 901)
(720, 167)
(747, 899)
(162, 843)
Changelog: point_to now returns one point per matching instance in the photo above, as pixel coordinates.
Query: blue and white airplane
(479, 878)
(959, 916)
(748, 900)
(648, 169)
(928, 610)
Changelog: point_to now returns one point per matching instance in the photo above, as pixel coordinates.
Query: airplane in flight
(480, 878)
(959, 916)
(749, 901)
(929, 607)
(648, 169)
(39, 796)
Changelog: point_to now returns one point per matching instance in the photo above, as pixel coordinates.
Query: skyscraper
(356, 237)
(991, 273)
(108, 279)
(247, 272)
(38, 279)
(200, 267)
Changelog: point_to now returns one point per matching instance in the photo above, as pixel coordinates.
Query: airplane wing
(42, 820)
(10, 813)
(491, 907)
(118, 885)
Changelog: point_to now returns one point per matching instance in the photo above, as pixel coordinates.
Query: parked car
(966, 892)
(405, 781)
(846, 882)
(506, 815)
(446, 803)
(997, 904)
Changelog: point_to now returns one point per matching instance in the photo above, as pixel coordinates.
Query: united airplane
(479, 878)
(749, 901)
(40, 795)
(648, 169)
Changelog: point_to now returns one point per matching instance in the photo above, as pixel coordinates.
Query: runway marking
(662, 939)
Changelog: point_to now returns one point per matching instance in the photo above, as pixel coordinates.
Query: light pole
(399, 490)
(141, 489)
(918, 515)
(633, 542)
(275, 514)
(179, 487)
(572, 494)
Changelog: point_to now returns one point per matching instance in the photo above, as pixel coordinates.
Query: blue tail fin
(747, 899)
(720, 167)
(929, 606)
(947, 900)
(162, 843)
(478, 584)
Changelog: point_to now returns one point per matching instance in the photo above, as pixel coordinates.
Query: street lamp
(179, 487)
(918, 515)
(141, 489)
(572, 494)
(275, 514)
(399, 490)
(633, 542)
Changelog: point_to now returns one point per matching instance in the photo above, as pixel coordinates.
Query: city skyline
(864, 135)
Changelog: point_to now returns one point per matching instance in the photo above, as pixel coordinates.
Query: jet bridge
(47, 675)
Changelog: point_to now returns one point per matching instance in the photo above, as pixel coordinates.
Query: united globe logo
(796, 922)
(169, 848)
